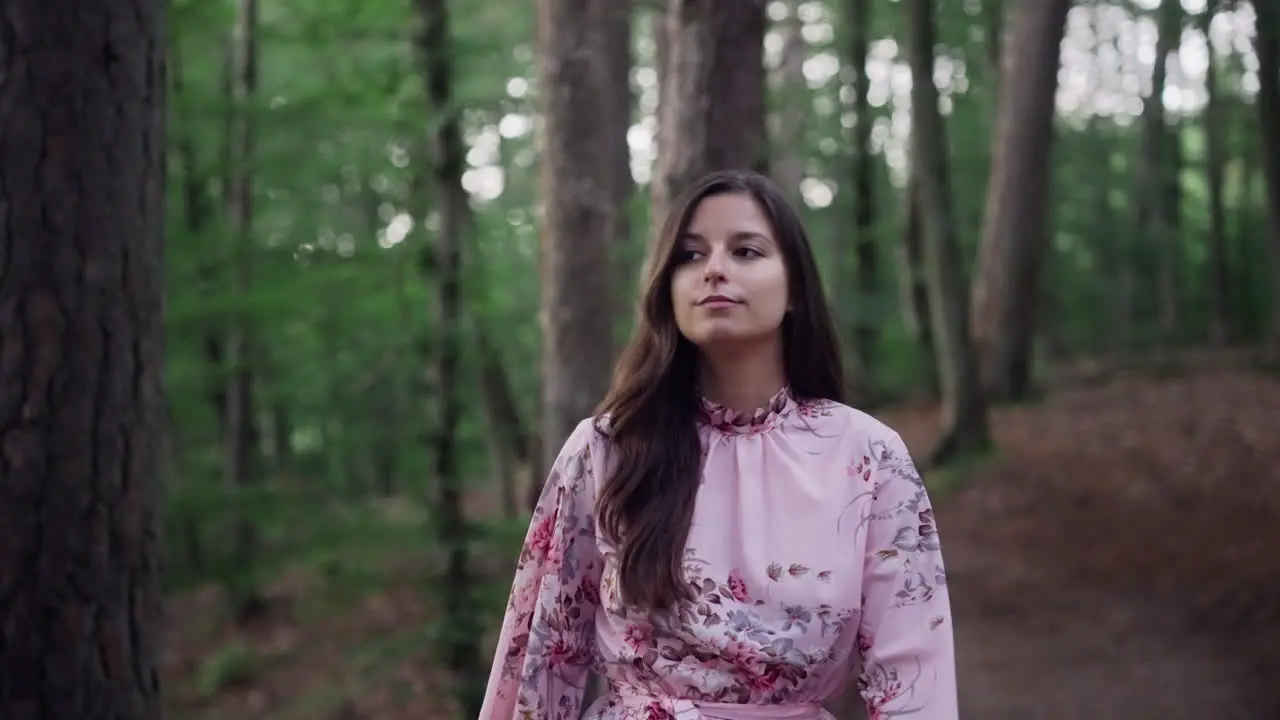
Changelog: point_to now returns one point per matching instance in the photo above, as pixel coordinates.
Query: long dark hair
(646, 506)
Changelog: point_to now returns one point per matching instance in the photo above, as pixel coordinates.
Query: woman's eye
(749, 252)
(688, 255)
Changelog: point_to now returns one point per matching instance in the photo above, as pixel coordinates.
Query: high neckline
(735, 422)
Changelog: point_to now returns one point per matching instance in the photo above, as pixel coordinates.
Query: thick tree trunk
(81, 349)
(579, 207)
(713, 114)
(964, 413)
(1015, 235)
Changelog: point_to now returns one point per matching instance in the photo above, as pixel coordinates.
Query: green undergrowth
(944, 480)
(350, 555)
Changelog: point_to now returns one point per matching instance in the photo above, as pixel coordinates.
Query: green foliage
(233, 664)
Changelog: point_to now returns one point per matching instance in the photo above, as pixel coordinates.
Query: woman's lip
(718, 300)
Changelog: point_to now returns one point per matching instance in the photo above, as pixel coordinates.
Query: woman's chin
(715, 335)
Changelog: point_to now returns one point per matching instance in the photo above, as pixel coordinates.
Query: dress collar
(734, 422)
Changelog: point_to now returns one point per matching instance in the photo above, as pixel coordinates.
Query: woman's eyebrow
(738, 235)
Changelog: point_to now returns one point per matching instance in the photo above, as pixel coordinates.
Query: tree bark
(964, 413)
(713, 109)
(1015, 235)
(579, 205)
(81, 349)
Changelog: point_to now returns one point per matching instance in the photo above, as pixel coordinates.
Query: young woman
(726, 540)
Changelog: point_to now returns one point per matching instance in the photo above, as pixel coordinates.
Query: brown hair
(646, 506)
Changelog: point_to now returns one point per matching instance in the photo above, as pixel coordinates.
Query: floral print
(813, 560)
(726, 420)
(547, 641)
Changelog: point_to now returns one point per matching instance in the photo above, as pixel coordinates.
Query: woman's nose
(714, 267)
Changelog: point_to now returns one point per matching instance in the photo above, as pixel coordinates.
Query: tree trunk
(993, 16)
(713, 109)
(197, 211)
(240, 437)
(81, 350)
(662, 69)
(964, 415)
(614, 71)
(1015, 235)
(508, 437)
(459, 646)
(579, 205)
(791, 92)
(913, 289)
(1215, 160)
(1157, 195)
(1268, 50)
(1169, 188)
(863, 171)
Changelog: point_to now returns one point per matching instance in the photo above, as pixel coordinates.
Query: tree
(1015, 234)
(863, 176)
(448, 157)
(81, 346)
(1268, 49)
(712, 108)
(1159, 193)
(240, 432)
(787, 132)
(579, 205)
(1219, 281)
(614, 76)
(964, 412)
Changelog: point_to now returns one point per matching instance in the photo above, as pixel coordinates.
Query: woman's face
(730, 278)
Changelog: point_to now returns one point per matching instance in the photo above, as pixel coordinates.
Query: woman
(726, 540)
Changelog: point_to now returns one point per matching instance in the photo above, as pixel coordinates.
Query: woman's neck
(742, 379)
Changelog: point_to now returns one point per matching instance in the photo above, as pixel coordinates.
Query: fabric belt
(685, 709)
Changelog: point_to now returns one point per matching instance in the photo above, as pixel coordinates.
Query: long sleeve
(905, 635)
(547, 640)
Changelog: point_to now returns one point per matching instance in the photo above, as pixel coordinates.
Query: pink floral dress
(815, 560)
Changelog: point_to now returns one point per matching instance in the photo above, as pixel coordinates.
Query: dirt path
(1037, 649)
(1118, 560)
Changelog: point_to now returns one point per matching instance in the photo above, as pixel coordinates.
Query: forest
(299, 297)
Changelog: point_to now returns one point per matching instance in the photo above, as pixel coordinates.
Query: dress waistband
(685, 709)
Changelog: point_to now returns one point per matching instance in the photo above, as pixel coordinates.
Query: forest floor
(1117, 558)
